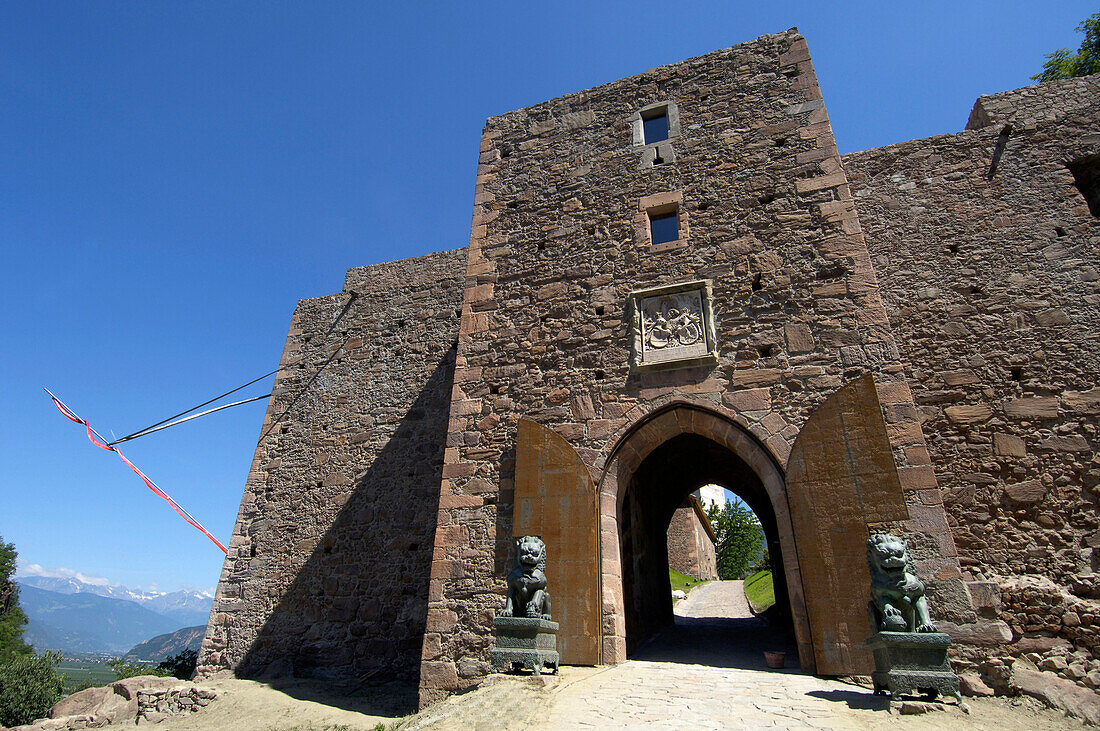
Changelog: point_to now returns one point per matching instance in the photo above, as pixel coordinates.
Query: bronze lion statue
(898, 602)
(527, 595)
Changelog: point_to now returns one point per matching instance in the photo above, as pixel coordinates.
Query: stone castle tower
(674, 280)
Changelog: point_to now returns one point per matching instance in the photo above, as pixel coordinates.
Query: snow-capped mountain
(189, 606)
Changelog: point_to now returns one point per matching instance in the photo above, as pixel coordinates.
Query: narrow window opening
(655, 125)
(1017, 373)
(1086, 176)
(599, 310)
(757, 283)
(657, 159)
(664, 227)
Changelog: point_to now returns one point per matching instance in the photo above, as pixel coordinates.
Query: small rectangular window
(664, 227)
(655, 126)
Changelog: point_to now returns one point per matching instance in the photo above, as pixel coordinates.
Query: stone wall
(1040, 103)
(690, 544)
(992, 282)
(376, 525)
(559, 241)
(327, 572)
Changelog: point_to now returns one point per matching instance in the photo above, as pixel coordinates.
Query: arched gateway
(691, 446)
(607, 538)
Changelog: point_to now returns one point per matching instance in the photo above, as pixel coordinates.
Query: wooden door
(555, 499)
(840, 477)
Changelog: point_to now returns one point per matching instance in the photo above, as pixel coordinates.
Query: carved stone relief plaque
(673, 326)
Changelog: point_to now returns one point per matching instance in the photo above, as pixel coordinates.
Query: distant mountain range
(74, 616)
(164, 646)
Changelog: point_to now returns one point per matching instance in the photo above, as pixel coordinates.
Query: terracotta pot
(775, 659)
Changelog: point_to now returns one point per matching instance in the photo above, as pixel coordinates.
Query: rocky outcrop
(1056, 692)
(143, 699)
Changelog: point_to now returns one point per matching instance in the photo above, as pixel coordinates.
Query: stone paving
(707, 672)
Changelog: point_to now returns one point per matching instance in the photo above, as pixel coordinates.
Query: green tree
(12, 619)
(29, 686)
(125, 669)
(1065, 64)
(740, 539)
(182, 665)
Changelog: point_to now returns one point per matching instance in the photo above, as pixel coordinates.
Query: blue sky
(177, 175)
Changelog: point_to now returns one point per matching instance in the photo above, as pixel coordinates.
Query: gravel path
(715, 599)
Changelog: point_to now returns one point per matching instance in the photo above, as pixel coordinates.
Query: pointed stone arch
(623, 460)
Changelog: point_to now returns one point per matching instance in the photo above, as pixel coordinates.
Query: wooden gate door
(555, 498)
(840, 477)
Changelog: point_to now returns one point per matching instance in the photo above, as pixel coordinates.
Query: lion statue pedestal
(910, 655)
(524, 643)
(525, 635)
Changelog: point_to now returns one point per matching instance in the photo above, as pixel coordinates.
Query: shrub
(125, 669)
(29, 686)
(182, 665)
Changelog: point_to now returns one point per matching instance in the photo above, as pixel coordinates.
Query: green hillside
(167, 645)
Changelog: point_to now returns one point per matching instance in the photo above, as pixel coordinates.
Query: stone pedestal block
(524, 642)
(908, 662)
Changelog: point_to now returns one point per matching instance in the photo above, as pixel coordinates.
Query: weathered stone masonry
(992, 283)
(554, 254)
(327, 571)
(904, 291)
(690, 541)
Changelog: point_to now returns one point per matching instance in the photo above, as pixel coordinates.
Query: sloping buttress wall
(327, 572)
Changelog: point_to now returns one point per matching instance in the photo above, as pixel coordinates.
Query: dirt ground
(305, 705)
(509, 702)
(705, 672)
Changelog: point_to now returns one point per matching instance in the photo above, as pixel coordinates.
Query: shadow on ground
(393, 699)
(860, 700)
(723, 642)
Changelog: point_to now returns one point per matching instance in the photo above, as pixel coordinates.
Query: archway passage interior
(657, 487)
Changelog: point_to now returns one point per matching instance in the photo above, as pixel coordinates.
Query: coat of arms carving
(673, 326)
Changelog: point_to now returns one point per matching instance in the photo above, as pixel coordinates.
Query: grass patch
(759, 591)
(683, 582)
(81, 674)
